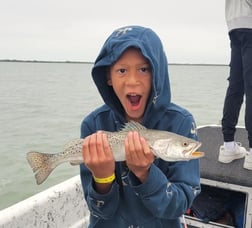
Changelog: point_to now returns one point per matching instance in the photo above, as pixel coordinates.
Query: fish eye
(185, 144)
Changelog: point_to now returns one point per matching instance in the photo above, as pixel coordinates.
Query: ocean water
(42, 106)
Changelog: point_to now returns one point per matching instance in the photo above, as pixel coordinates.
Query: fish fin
(133, 126)
(41, 165)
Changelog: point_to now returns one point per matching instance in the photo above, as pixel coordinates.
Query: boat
(63, 206)
(59, 206)
(228, 178)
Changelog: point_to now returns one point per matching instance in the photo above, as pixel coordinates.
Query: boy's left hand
(139, 156)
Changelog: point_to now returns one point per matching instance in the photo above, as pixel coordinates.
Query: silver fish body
(165, 145)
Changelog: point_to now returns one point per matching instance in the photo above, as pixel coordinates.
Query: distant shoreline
(41, 61)
(84, 62)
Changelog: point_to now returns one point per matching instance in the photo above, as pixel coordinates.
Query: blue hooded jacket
(171, 186)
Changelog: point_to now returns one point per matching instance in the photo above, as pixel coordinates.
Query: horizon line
(89, 62)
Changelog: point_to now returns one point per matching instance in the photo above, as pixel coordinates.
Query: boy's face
(131, 79)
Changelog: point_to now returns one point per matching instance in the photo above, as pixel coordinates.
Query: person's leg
(235, 90)
(232, 104)
(247, 74)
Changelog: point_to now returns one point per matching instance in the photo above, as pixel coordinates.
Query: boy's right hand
(98, 156)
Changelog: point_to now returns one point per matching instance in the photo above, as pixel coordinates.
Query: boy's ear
(109, 82)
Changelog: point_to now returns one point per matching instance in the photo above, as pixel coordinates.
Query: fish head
(181, 149)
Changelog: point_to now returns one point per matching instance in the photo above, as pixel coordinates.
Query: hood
(151, 47)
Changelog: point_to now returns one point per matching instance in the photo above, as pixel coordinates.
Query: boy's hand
(97, 156)
(139, 156)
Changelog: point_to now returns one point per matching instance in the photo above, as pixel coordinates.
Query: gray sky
(191, 31)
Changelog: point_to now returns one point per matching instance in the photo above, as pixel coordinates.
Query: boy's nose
(132, 79)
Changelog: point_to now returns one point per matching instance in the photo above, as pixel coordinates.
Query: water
(43, 104)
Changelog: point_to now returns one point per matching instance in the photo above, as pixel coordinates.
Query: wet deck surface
(233, 173)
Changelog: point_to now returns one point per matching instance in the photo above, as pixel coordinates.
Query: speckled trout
(165, 145)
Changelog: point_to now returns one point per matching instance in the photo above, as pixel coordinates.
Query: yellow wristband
(105, 180)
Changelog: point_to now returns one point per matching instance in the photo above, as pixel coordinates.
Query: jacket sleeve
(100, 205)
(171, 186)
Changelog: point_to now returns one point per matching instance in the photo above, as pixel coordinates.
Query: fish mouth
(134, 98)
(197, 154)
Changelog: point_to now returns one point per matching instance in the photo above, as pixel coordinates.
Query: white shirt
(239, 14)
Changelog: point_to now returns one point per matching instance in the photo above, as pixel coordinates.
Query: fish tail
(41, 164)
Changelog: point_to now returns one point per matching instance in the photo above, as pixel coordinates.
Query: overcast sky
(74, 30)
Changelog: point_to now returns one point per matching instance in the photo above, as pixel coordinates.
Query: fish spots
(165, 145)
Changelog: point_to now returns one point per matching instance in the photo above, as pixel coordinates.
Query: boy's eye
(145, 69)
(121, 71)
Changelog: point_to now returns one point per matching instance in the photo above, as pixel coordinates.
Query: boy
(131, 74)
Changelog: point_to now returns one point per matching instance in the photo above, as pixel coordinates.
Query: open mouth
(197, 154)
(193, 149)
(134, 99)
